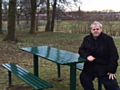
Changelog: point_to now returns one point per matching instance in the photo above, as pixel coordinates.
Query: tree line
(14, 8)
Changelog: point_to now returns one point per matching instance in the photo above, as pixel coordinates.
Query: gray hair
(96, 23)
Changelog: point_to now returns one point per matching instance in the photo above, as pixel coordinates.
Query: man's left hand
(111, 76)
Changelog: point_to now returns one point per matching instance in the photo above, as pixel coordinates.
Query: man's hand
(90, 58)
(111, 76)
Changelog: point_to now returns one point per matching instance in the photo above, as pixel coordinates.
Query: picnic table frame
(60, 57)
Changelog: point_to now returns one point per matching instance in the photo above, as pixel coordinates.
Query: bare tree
(56, 4)
(25, 9)
(47, 28)
(11, 21)
(19, 11)
(33, 17)
(53, 15)
(5, 10)
(1, 32)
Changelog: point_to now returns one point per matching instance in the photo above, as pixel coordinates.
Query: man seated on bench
(102, 54)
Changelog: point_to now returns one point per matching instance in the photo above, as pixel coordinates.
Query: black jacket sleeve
(82, 49)
(113, 56)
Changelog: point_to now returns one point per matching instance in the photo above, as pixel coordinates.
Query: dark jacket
(105, 52)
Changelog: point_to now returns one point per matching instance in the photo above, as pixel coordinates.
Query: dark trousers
(86, 81)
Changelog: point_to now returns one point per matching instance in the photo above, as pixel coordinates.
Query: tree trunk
(18, 20)
(53, 16)
(47, 28)
(33, 17)
(27, 19)
(11, 21)
(1, 32)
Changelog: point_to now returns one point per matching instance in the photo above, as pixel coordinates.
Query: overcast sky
(89, 5)
(100, 5)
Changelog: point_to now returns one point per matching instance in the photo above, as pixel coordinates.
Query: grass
(47, 70)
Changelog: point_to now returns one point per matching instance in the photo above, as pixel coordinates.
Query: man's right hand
(90, 58)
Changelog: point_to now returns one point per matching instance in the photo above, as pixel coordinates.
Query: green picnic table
(60, 57)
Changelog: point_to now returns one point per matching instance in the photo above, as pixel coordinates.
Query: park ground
(10, 52)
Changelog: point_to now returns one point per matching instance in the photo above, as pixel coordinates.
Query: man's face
(96, 30)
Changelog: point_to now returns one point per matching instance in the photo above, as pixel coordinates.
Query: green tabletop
(61, 57)
(55, 55)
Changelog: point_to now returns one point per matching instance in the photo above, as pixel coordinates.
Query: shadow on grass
(19, 87)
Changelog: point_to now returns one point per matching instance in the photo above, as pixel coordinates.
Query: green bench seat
(34, 81)
(79, 66)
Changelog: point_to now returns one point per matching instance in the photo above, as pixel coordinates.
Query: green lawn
(47, 70)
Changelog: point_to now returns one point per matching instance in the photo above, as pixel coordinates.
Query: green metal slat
(35, 76)
(25, 78)
(23, 70)
(79, 66)
(28, 78)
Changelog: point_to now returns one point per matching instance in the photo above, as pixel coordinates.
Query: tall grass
(73, 26)
(109, 27)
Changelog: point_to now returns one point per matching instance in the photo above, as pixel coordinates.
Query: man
(102, 56)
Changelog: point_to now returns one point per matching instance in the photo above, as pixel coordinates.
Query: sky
(99, 5)
(89, 5)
